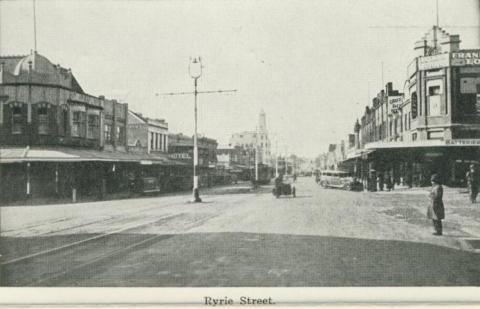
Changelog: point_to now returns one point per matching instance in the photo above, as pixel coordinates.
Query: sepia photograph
(239, 144)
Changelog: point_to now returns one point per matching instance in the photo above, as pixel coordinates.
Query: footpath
(462, 218)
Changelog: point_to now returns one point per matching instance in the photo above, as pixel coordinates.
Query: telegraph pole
(256, 155)
(195, 69)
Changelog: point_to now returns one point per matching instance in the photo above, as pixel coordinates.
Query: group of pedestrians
(385, 181)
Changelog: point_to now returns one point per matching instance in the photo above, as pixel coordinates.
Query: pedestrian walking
(436, 210)
(388, 182)
(473, 183)
(380, 182)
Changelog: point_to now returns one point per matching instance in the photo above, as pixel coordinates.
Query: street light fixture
(195, 70)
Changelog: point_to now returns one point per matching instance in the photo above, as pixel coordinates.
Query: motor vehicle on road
(284, 186)
(339, 179)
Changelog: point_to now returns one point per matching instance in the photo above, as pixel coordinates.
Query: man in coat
(473, 182)
(436, 211)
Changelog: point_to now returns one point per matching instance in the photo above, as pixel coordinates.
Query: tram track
(81, 257)
(124, 218)
(124, 215)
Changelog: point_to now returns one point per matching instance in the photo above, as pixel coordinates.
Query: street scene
(239, 143)
(240, 237)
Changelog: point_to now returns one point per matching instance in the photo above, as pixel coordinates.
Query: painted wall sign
(395, 102)
(463, 142)
(465, 58)
(434, 62)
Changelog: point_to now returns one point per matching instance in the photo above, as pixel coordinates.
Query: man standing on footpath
(436, 210)
(473, 183)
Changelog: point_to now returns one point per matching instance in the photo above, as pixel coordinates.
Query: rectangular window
(469, 84)
(409, 120)
(414, 136)
(65, 122)
(78, 124)
(120, 135)
(435, 135)
(42, 113)
(434, 90)
(152, 141)
(17, 122)
(108, 133)
(93, 130)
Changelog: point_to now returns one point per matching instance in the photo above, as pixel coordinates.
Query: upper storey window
(93, 129)
(78, 124)
(434, 90)
(414, 103)
(17, 120)
(42, 114)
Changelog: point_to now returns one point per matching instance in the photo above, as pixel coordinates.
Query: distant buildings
(147, 134)
(257, 140)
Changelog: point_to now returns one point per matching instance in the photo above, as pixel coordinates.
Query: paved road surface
(241, 238)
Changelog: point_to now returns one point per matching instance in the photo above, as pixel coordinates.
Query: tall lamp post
(195, 70)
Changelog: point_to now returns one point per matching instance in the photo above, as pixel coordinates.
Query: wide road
(237, 237)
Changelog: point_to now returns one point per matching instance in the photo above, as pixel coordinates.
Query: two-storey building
(434, 126)
(55, 138)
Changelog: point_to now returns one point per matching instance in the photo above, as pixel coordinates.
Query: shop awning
(424, 144)
(26, 154)
(358, 154)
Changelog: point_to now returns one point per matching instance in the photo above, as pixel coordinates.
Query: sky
(312, 66)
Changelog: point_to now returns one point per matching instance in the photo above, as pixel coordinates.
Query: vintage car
(339, 179)
(284, 186)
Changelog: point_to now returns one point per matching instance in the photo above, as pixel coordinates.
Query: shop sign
(395, 102)
(465, 58)
(146, 162)
(434, 62)
(463, 142)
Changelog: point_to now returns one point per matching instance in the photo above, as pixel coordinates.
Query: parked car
(339, 179)
(149, 185)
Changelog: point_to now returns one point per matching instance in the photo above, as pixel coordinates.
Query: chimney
(420, 48)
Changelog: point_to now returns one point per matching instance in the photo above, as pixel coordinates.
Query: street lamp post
(195, 70)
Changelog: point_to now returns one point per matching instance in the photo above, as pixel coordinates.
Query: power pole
(195, 69)
(256, 156)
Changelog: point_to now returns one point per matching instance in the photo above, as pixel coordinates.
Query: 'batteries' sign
(468, 57)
